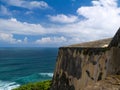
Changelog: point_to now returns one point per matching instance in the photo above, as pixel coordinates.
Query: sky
(55, 23)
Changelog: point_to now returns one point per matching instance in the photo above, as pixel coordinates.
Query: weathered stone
(80, 67)
(109, 83)
(116, 40)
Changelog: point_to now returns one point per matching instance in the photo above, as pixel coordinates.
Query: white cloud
(9, 38)
(28, 4)
(17, 27)
(4, 10)
(13, 20)
(29, 12)
(106, 3)
(61, 18)
(43, 40)
(25, 40)
(40, 4)
(48, 40)
(101, 20)
(104, 15)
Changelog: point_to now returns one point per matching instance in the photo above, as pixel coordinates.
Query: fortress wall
(77, 67)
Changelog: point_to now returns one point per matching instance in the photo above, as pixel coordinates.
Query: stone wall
(116, 40)
(78, 67)
(114, 61)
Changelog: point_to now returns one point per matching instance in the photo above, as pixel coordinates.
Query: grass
(45, 85)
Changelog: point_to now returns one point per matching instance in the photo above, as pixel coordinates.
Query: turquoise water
(19, 66)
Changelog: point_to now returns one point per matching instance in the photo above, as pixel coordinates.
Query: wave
(34, 78)
(6, 85)
(46, 74)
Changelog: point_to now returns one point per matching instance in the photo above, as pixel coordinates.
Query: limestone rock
(88, 68)
(109, 83)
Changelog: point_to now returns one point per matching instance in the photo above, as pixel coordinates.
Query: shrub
(45, 85)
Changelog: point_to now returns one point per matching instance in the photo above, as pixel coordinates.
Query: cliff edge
(88, 66)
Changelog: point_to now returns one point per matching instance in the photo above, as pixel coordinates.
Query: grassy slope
(45, 85)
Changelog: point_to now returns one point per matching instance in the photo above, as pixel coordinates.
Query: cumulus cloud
(106, 3)
(104, 15)
(27, 4)
(61, 18)
(9, 38)
(101, 20)
(49, 40)
(4, 10)
(17, 27)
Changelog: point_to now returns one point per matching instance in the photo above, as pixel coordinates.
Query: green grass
(45, 85)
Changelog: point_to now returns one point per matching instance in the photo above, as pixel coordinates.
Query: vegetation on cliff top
(45, 85)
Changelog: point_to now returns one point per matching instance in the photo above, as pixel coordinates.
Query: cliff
(83, 65)
(109, 83)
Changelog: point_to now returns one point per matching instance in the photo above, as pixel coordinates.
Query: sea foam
(6, 85)
(46, 74)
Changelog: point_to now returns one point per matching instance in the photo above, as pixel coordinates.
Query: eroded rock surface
(109, 83)
(88, 68)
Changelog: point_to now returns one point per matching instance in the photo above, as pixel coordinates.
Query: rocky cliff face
(78, 67)
(111, 82)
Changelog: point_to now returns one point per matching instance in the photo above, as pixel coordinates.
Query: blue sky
(54, 23)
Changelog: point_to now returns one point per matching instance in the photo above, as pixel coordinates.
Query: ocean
(19, 66)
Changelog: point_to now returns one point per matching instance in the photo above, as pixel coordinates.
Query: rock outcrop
(111, 82)
(80, 66)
